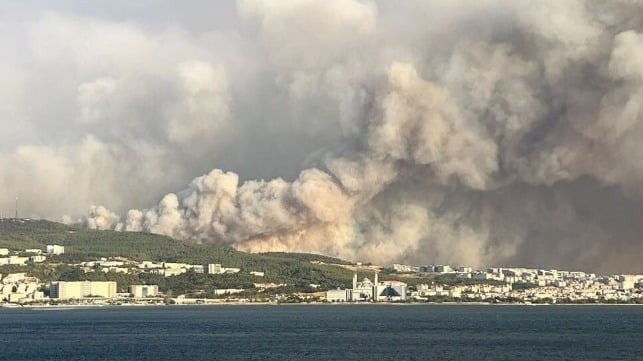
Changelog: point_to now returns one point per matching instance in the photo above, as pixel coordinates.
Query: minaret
(353, 294)
(16, 207)
(375, 287)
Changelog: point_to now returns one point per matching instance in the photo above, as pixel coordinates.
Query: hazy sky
(466, 132)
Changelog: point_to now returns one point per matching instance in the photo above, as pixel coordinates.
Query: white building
(257, 273)
(375, 291)
(37, 258)
(55, 249)
(214, 269)
(18, 260)
(4, 251)
(402, 268)
(149, 265)
(173, 265)
(228, 291)
(197, 268)
(82, 289)
(169, 272)
(143, 291)
(390, 291)
(626, 282)
(339, 295)
(111, 263)
(363, 291)
(33, 250)
(443, 269)
(12, 278)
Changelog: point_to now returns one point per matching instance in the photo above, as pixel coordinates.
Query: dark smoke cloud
(469, 132)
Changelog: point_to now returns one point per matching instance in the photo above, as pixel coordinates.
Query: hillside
(83, 244)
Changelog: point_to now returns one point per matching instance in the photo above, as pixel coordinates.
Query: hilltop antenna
(16, 207)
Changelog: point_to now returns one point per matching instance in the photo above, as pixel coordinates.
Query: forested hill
(83, 244)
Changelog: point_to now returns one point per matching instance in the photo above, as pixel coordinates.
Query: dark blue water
(377, 332)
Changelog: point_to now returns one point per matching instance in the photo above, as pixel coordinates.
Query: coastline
(304, 304)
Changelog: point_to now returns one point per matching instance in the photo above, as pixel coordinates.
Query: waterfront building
(143, 291)
(82, 289)
(390, 291)
(364, 290)
(368, 290)
(339, 295)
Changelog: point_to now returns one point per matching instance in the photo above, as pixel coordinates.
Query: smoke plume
(463, 132)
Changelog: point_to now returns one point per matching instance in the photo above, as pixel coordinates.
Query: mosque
(369, 291)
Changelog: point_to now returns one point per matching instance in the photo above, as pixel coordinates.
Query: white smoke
(475, 132)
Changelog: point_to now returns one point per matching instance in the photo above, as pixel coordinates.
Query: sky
(493, 132)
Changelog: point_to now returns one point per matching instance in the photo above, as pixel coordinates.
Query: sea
(323, 332)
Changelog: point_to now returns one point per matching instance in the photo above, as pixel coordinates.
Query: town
(495, 285)
(398, 283)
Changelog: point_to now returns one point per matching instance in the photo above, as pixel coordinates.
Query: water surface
(330, 332)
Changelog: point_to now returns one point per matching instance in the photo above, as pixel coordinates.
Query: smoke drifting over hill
(470, 132)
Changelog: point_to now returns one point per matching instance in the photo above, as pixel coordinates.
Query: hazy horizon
(478, 133)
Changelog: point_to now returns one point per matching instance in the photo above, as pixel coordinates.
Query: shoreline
(303, 304)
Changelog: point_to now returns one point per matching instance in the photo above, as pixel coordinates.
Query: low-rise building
(339, 295)
(149, 265)
(390, 291)
(214, 269)
(17, 260)
(169, 272)
(197, 268)
(228, 291)
(55, 249)
(143, 291)
(37, 258)
(443, 269)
